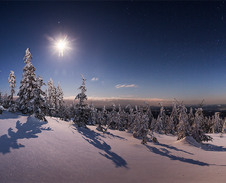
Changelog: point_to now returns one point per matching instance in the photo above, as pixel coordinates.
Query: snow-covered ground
(33, 151)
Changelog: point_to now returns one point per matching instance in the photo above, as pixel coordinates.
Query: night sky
(160, 50)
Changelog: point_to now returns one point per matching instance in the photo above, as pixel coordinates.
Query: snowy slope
(33, 151)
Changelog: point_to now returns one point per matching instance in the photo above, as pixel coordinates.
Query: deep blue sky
(166, 49)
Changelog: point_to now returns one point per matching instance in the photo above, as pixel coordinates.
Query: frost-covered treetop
(28, 56)
(82, 96)
(12, 79)
(83, 86)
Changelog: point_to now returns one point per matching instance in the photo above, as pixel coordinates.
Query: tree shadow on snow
(166, 153)
(94, 139)
(173, 148)
(211, 147)
(10, 115)
(27, 130)
(114, 136)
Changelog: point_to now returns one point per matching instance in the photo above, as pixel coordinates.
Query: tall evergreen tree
(52, 98)
(39, 101)
(81, 117)
(60, 101)
(12, 84)
(27, 85)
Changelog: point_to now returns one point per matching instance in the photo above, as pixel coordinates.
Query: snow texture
(58, 151)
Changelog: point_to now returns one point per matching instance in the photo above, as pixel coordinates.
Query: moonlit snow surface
(34, 151)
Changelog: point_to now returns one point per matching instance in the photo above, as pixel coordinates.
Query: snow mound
(189, 140)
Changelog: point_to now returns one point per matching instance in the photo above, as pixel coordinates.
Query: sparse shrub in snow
(81, 117)
(27, 86)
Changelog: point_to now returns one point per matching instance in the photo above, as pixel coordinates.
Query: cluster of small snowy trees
(137, 120)
(54, 100)
(141, 122)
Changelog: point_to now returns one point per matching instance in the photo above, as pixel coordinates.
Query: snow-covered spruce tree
(81, 117)
(149, 114)
(173, 120)
(136, 123)
(5, 100)
(113, 118)
(0, 98)
(60, 101)
(120, 119)
(224, 126)
(140, 126)
(39, 100)
(191, 117)
(93, 114)
(52, 98)
(12, 84)
(197, 130)
(101, 119)
(130, 117)
(217, 123)
(27, 86)
(184, 128)
(161, 122)
(143, 130)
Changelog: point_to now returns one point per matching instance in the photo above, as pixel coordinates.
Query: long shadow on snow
(94, 139)
(114, 136)
(27, 130)
(173, 148)
(166, 153)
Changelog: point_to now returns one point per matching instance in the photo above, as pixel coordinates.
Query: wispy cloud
(126, 86)
(94, 79)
